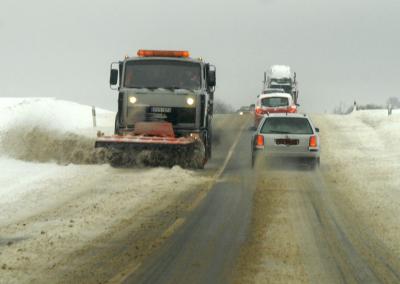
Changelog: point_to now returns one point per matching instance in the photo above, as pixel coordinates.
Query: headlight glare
(132, 100)
(190, 101)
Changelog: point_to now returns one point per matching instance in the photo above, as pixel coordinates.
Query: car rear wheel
(314, 163)
(254, 158)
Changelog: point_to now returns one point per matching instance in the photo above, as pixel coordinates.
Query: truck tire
(116, 125)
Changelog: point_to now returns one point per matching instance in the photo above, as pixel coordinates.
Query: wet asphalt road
(301, 228)
(203, 250)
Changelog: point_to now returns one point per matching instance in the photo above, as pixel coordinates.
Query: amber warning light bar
(162, 53)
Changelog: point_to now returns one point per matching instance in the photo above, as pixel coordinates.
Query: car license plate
(287, 142)
(161, 109)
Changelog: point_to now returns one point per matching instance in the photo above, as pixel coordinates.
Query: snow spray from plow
(45, 145)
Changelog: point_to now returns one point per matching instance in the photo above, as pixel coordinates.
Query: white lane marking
(173, 227)
(121, 277)
(216, 177)
(230, 153)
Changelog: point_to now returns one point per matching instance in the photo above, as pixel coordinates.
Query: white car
(291, 136)
(273, 103)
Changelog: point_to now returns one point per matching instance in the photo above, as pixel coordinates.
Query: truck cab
(165, 86)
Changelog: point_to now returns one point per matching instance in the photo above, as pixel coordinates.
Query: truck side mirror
(316, 129)
(113, 77)
(211, 77)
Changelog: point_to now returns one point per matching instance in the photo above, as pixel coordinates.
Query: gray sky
(342, 50)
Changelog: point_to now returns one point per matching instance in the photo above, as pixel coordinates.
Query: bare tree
(394, 102)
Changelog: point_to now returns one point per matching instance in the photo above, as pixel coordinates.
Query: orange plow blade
(153, 144)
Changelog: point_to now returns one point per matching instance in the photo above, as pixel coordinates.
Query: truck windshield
(162, 74)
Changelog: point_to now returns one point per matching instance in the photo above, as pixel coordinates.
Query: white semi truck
(280, 77)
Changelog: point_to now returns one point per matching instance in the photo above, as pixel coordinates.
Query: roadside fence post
(94, 116)
(389, 108)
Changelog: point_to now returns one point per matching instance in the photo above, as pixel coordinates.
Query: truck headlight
(132, 100)
(190, 101)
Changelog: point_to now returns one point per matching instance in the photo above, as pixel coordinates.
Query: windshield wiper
(175, 88)
(170, 88)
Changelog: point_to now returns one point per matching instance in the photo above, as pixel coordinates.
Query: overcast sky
(342, 50)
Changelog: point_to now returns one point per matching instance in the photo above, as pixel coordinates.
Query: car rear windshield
(286, 125)
(274, 102)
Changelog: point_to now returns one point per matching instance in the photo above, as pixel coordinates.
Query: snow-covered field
(361, 154)
(34, 130)
(55, 196)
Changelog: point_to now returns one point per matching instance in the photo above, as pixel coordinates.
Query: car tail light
(259, 141)
(313, 142)
(292, 109)
(259, 110)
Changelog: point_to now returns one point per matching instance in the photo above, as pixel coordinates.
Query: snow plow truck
(165, 110)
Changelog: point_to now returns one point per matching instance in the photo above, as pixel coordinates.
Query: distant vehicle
(286, 136)
(243, 110)
(252, 108)
(281, 77)
(273, 103)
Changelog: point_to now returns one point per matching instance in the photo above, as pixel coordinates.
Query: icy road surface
(57, 202)
(339, 224)
(66, 217)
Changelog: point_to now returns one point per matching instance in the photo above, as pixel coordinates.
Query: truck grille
(174, 115)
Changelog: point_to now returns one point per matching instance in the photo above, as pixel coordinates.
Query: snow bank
(388, 127)
(49, 211)
(47, 129)
(362, 158)
(18, 178)
(53, 217)
(49, 113)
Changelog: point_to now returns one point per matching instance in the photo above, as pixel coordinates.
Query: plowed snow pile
(46, 130)
(361, 152)
(56, 199)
